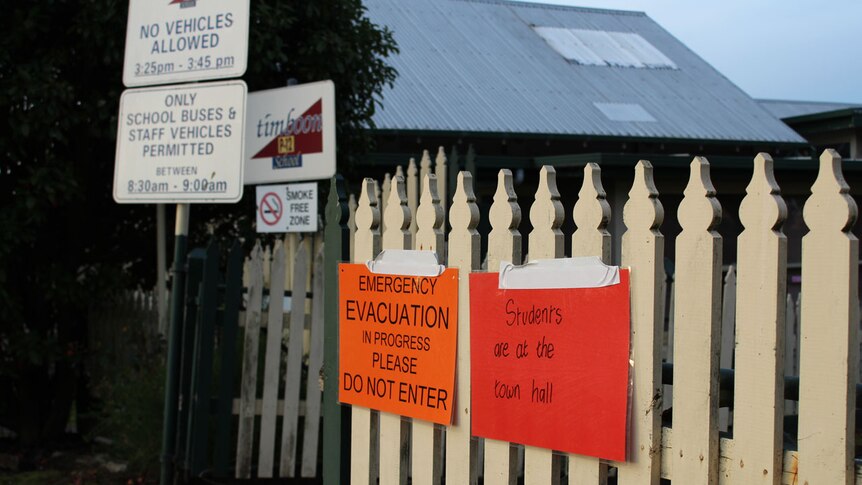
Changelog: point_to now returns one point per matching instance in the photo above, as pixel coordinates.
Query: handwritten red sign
(550, 367)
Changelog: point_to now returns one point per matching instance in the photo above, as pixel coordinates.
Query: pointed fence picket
(276, 279)
(708, 323)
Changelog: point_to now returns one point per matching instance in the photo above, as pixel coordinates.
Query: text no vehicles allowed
(287, 207)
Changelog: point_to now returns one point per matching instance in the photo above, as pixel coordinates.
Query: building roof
(781, 108)
(481, 66)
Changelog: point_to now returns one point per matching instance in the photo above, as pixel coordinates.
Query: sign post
(181, 144)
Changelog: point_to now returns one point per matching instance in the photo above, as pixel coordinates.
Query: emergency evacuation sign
(397, 342)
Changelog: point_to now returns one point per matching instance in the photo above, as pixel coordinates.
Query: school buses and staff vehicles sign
(290, 134)
(169, 41)
(180, 144)
(397, 342)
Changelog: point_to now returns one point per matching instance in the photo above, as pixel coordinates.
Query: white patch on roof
(604, 48)
(625, 112)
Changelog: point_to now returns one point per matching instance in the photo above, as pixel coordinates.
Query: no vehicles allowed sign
(287, 208)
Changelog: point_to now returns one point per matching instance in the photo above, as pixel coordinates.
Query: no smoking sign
(270, 209)
(287, 208)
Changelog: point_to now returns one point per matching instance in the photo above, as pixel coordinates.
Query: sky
(804, 50)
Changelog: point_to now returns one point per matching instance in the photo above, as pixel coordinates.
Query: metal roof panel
(480, 66)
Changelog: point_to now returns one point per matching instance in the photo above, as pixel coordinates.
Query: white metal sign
(290, 134)
(169, 41)
(287, 208)
(180, 144)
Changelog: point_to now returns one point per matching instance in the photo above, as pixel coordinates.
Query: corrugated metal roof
(479, 66)
(781, 108)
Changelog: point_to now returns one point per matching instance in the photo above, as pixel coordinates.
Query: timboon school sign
(180, 144)
(290, 134)
(170, 41)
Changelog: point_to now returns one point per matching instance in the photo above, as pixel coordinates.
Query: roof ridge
(770, 100)
(519, 3)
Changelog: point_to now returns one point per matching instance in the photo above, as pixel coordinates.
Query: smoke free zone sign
(397, 342)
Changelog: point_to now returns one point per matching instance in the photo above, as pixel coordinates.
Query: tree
(64, 243)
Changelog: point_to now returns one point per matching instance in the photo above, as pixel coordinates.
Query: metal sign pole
(172, 369)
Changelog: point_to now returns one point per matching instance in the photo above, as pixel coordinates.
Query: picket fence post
(272, 363)
(643, 251)
(696, 333)
(440, 171)
(427, 451)
(394, 430)
(248, 388)
(761, 292)
(293, 373)
(363, 443)
(504, 244)
(592, 214)
(315, 381)
(336, 425)
(463, 251)
(830, 320)
(546, 242)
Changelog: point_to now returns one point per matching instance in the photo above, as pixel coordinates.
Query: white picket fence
(293, 323)
(392, 448)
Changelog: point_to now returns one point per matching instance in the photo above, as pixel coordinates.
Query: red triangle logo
(302, 135)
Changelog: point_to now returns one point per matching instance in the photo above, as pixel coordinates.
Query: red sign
(301, 135)
(550, 367)
(397, 342)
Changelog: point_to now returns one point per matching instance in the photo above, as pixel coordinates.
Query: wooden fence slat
(384, 199)
(227, 355)
(504, 244)
(758, 420)
(272, 363)
(440, 170)
(463, 253)
(197, 454)
(293, 373)
(696, 332)
(728, 334)
(427, 445)
(336, 426)
(363, 443)
(412, 183)
(592, 214)
(394, 430)
(248, 387)
(351, 222)
(643, 251)
(313, 389)
(829, 347)
(546, 242)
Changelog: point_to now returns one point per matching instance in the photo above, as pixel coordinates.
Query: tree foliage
(64, 243)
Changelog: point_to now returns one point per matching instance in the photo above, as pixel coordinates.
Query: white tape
(587, 272)
(407, 262)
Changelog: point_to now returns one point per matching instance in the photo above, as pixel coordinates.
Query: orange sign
(397, 342)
